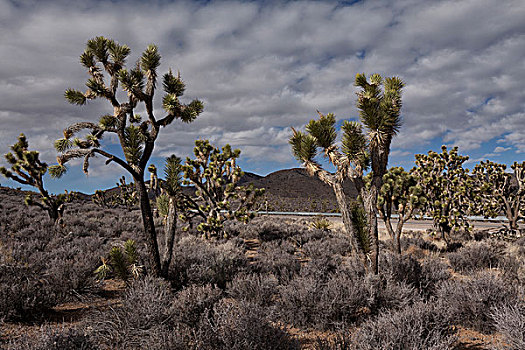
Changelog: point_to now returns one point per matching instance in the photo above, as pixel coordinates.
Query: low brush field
(276, 283)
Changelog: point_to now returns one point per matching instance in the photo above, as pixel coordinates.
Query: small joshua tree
(379, 104)
(168, 204)
(27, 169)
(104, 60)
(499, 191)
(217, 198)
(154, 186)
(126, 196)
(400, 193)
(447, 187)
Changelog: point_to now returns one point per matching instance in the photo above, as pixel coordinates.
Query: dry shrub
(193, 302)
(477, 256)
(142, 321)
(240, 325)
(51, 338)
(469, 302)
(258, 289)
(277, 258)
(420, 326)
(196, 261)
(510, 322)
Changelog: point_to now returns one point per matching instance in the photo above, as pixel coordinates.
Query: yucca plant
(365, 145)
(123, 263)
(105, 61)
(320, 223)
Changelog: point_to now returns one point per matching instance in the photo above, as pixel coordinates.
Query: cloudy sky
(262, 67)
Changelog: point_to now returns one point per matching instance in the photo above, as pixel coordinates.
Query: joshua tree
(27, 169)
(126, 196)
(168, 204)
(380, 115)
(447, 187)
(104, 60)
(153, 181)
(217, 198)
(499, 191)
(400, 193)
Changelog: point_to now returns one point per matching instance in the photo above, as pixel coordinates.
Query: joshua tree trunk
(345, 213)
(170, 229)
(370, 205)
(512, 213)
(149, 227)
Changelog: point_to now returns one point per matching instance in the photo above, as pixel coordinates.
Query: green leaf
(75, 97)
(173, 84)
(150, 59)
(61, 145)
(56, 171)
(323, 130)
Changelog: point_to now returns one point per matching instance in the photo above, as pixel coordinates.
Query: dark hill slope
(295, 190)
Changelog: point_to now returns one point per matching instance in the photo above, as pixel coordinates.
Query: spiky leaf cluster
(123, 263)
(498, 191)
(447, 187)
(215, 175)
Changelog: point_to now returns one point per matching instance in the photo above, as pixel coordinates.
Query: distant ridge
(286, 190)
(294, 190)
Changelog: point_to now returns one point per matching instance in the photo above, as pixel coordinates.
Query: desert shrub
(339, 341)
(339, 299)
(55, 339)
(510, 322)
(191, 303)
(384, 293)
(322, 267)
(433, 273)
(423, 276)
(197, 261)
(469, 302)
(144, 314)
(258, 289)
(277, 258)
(331, 244)
(278, 230)
(419, 242)
(23, 296)
(302, 238)
(420, 326)
(476, 256)
(239, 325)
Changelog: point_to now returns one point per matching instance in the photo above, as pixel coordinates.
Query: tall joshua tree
(104, 60)
(27, 169)
(365, 145)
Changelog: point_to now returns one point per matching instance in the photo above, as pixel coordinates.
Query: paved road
(411, 225)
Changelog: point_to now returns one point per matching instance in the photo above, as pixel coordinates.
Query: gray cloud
(263, 67)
